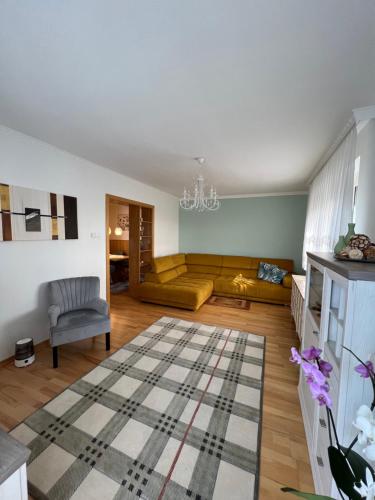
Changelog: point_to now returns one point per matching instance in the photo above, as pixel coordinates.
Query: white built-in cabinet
(297, 301)
(339, 310)
(13, 479)
(15, 487)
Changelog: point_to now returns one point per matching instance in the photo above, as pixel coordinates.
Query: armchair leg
(108, 341)
(55, 357)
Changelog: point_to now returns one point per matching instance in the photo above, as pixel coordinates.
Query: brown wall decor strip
(54, 223)
(5, 217)
(71, 224)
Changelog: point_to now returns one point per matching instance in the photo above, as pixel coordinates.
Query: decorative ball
(360, 241)
(355, 254)
(369, 253)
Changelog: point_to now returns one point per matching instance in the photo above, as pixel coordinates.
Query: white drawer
(322, 460)
(311, 335)
(309, 407)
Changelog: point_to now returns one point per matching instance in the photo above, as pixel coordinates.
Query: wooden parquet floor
(284, 456)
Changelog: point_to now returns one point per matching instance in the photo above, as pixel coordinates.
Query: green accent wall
(271, 226)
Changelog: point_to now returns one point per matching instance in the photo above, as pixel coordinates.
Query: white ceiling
(260, 88)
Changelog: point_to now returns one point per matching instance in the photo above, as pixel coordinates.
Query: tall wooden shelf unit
(339, 310)
(141, 243)
(141, 240)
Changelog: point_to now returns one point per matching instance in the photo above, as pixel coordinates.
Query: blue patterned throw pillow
(271, 273)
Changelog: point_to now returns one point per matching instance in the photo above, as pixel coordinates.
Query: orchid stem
(351, 446)
(334, 428)
(356, 357)
(329, 428)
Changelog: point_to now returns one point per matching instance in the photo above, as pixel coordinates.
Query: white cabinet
(15, 487)
(13, 457)
(297, 302)
(339, 310)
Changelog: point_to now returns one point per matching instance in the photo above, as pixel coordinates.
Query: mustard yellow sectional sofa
(188, 280)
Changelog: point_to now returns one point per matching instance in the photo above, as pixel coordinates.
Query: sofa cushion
(181, 269)
(180, 291)
(204, 259)
(238, 286)
(283, 263)
(251, 289)
(166, 276)
(196, 268)
(271, 273)
(162, 264)
(233, 271)
(199, 276)
(287, 281)
(272, 292)
(233, 261)
(178, 259)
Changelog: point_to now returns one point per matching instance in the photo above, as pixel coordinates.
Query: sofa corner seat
(188, 280)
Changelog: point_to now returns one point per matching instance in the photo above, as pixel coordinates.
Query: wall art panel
(29, 214)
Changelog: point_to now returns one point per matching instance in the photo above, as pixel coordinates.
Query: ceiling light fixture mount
(198, 200)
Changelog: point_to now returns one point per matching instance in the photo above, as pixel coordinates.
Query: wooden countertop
(118, 258)
(356, 271)
(13, 454)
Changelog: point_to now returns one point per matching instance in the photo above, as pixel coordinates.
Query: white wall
(365, 219)
(26, 267)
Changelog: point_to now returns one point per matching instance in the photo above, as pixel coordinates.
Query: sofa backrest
(166, 268)
(204, 263)
(231, 265)
(172, 266)
(168, 262)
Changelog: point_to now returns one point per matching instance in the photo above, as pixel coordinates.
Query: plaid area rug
(174, 414)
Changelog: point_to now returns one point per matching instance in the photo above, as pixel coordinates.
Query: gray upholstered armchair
(76, 312)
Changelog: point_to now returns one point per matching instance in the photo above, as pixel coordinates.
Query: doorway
(130, 244)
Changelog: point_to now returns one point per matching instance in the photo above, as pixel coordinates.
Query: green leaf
(342, 473)
(308, 496)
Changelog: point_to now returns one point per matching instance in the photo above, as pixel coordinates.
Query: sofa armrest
(287, 281)
(98, 305)
(53, 314)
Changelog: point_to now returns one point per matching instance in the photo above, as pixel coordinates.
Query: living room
(187, 248)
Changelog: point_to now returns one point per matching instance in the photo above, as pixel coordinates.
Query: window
(357, 165)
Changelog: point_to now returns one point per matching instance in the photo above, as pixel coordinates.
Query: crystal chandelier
(198, 200)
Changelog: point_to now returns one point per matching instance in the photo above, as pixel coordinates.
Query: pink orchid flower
(313, 374)
(320, 394)
(311, 353)
(295, 357)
